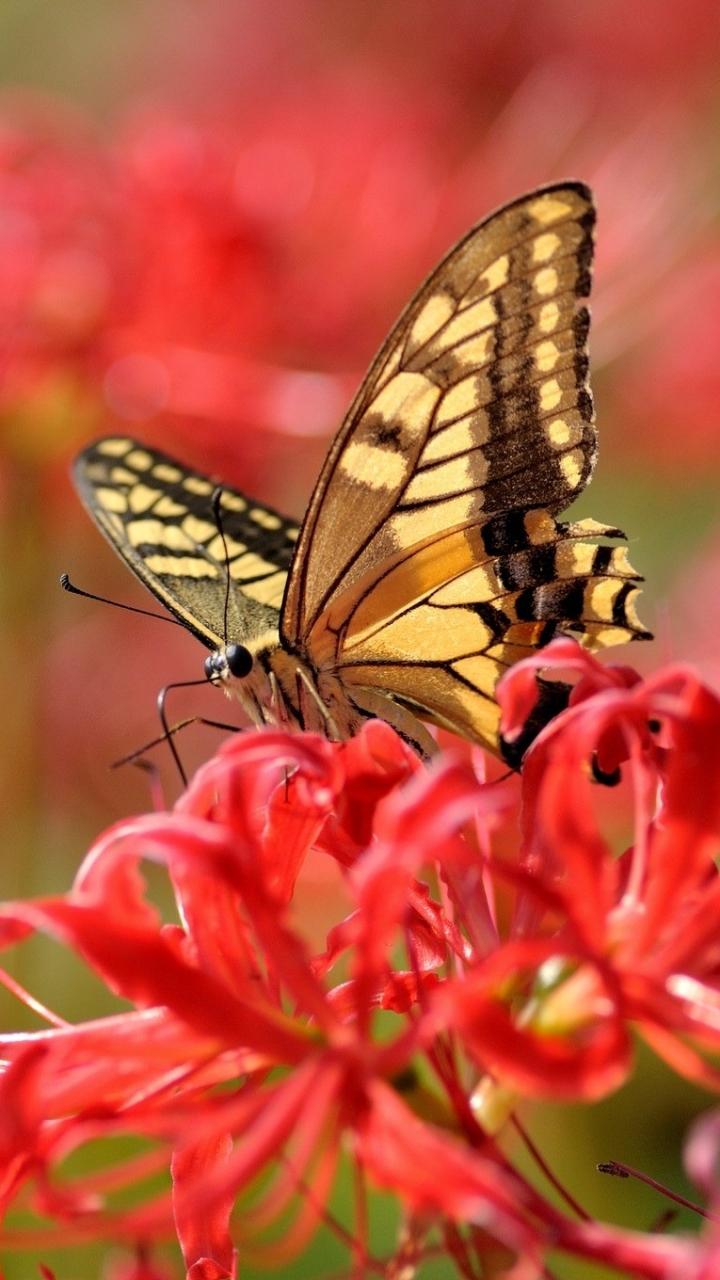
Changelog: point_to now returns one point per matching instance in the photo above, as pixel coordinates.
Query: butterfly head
(245, 672)
(232, 660)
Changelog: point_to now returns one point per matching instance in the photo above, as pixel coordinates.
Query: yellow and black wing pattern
(159, 516)
(431, 557)
(473, 429)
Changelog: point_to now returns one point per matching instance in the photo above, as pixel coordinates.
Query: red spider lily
(245, 1059)
(189, 274)
(642, 930)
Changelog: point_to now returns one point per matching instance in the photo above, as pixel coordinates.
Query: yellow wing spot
(571, 466)
(373, 466)
(589, 528)
(540, 527)
(409, 399)
(460, 400)
(549, 208)
(560, 433)
(217, 547)
(197, 529)
(232, 501)
(621, 565)
(111, 500)
(630, 601)
(409, 527)
(269, 590)
(600, 598)
(546, 281)
(574, 560)
(550, 394)
(141, 497)
(140, 460)
(476, 350)
(481, 672)
(548, 317)
(292, 534)
(463, 435)
(156, 533)
(167, 507)
(197, 485)
(599, 637)
(544, 247)
(546, 356)
(470, 322)
(169, 475)
(114, 448)
(446, 478)
(120, 475)
(181, 566)
(264, 518)
(437, 310)
(496, 274)
(250, 565)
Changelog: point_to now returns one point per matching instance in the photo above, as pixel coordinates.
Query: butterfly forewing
(478, 403)
(159, 516)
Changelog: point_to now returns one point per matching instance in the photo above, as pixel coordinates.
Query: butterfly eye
(239, 660)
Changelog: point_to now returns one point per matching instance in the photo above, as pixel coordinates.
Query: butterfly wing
(430, 558)
(159, 517)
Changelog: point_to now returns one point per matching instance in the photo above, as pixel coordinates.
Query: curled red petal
(203, 1226)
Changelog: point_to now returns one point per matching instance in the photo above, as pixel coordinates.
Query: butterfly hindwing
(159, 516)
(444, 653)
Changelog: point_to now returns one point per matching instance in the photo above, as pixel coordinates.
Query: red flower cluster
(216, 280)
(248, 1065)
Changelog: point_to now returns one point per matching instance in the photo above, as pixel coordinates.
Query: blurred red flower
(219, 283)
(245, 1057)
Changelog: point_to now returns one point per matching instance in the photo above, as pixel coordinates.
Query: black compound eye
(210, 666)
(239, 660)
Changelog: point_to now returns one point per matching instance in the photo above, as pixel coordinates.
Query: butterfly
(430, 558)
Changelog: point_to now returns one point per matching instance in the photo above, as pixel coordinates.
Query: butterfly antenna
(67, 585)
(217, 514)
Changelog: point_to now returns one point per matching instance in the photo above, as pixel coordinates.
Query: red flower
(244, 1056)
(642, 930)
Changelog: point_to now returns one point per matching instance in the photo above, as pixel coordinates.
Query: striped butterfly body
(430, 558)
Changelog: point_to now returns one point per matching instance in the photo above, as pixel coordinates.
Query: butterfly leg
(306, 689)
(278, 713)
